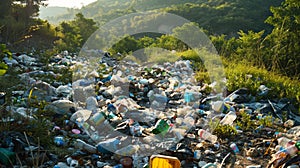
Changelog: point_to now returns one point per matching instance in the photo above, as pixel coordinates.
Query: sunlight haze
(69, 3)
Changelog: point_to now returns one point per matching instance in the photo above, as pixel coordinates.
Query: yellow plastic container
(161, 161)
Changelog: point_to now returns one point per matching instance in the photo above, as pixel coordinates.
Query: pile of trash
(122, 114)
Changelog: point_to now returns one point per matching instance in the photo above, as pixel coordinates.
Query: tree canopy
(18, 19)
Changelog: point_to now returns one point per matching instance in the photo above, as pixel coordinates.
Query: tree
(75, 33)
(170, 43)
(17, 20)
(5, 8)
(284, 40)
(225, 47)
(145, 41)
(30, 7)
(191, 34)
(86, 26)
(126, 45)
(70, 39)
(251, 47)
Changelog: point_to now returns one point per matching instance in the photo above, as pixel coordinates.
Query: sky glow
(69, 3)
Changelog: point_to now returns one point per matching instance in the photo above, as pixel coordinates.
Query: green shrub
(190, 55)
(246, 123)
(266, 121)
(3, 52)
(222, 131)
(160, 56)
(240, 75)
(243, 75)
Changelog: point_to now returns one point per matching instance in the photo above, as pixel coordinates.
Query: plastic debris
(121, 114)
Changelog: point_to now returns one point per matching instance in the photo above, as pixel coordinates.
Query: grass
(243, 75)
(240, 75)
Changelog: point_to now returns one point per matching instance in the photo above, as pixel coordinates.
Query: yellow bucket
(161, 161)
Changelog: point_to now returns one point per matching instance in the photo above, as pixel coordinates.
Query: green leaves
(222, 131)
(284, 46)
(4, 52)
(246, 123)
(3, 68)
(75, 33)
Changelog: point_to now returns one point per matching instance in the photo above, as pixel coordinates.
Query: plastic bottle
(207, 136)
(200, 112)
(2, 98)
(129, 150)
(109, 146)
(97, 118)
(235, 148)
(74, 163)
(221, 107)
(188, 122)
(285, 142)
(291, 150)
(136, 130)
(80, 144)
(197, 154)
(178, 133)
(229, 118)
(188, 97)
(161, 127)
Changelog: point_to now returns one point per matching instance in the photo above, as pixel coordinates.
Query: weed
(3, 53)
(222, 131)
(246, 123)
(266, 121)
(40, 125)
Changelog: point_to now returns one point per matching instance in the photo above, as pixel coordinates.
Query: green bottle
(298, 145)
(161, 127)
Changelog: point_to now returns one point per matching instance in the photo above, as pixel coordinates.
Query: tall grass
(243, 74)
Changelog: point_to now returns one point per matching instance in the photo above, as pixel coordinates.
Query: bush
(243, 75)
(3, 53)
(222, 131)
(246, 123)
(239, 75)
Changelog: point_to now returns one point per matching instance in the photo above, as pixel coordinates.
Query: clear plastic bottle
(197, 154)
(129, 150)
(229, 118)
(203, 134)
(285, 142)
(221, 107)
(108, 146)
(80, 144)
(291, 150)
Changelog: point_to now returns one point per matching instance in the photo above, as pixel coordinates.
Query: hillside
(46, 12)
(55, 14)
(218, 16)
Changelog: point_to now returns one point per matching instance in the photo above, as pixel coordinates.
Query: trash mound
(122, 114)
